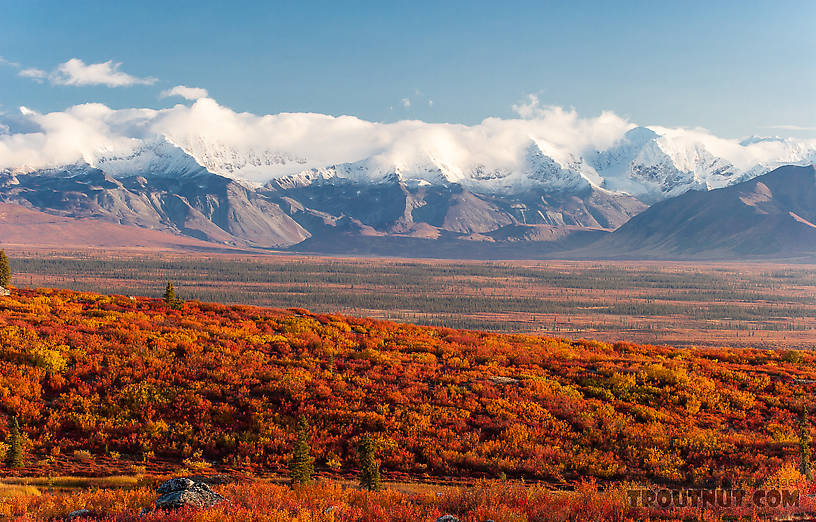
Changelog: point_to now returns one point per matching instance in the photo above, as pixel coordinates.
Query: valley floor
(754, 305)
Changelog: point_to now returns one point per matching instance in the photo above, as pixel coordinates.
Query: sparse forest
(736, 305)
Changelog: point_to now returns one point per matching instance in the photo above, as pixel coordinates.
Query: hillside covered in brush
(99, 378)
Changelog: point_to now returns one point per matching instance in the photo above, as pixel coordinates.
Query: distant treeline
(476, 295)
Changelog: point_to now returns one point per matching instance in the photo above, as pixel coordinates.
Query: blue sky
(736, 68)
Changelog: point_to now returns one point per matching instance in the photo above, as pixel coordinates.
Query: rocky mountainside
(217, 209)
(773, 215)
(200, 205)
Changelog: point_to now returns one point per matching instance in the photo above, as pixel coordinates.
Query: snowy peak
(246, 162)
(654, 166)
(535, 170)
(154, 157)
(551, 176)
(644, 163)
(649, 164)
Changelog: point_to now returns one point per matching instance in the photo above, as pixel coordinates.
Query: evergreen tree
(301, 467)
(14, 454)
(5, 271)
(804, 445)
(170, 294)
(369, 467)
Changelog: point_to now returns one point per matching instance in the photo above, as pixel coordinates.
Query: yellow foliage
(49, 360)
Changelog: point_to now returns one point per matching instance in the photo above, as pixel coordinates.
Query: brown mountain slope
(204, 206)
(770, 216)
(26, 227)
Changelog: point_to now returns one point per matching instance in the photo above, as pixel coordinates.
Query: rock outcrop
(184, 492)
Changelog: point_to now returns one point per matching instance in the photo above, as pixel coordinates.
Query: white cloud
(78, 73)
(287, 143)
(530, 108)
(792, 127)
(35, 74)
(4, 61)
(189, 93)
(417, 99)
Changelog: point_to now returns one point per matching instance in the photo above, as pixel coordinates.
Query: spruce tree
(369, 467)
(14, 454)
(804, 445)
(170, 294)
(5, 271)
(301, 467)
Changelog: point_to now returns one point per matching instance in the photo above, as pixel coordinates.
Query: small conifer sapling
(5, 271)
(301, 467)
(804, 445)
(14, 454)
(369, 467)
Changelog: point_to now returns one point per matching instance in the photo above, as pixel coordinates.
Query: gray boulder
(447, 518)
(184, 492)
(501, 379)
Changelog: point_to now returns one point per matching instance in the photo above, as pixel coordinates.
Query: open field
(708, 304)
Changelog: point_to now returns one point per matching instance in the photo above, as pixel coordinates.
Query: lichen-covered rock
(500, 379)
(183, 492)
(175, 484)
(447, 518)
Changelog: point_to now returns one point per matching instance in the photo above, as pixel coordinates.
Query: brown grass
(16, 490)
(69, 482)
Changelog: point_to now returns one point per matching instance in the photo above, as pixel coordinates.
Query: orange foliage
(325, 502)
(109, 374)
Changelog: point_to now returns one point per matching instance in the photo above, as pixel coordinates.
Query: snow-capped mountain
(772, 215)
(652, 167)
(643, 164)
(558, 151)
(244, 163)
(280, 180)
(153, 156)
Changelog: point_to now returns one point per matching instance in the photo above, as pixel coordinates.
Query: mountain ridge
(767, 216)
(543, 196)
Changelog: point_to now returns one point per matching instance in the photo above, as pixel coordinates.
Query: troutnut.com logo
(713, 498)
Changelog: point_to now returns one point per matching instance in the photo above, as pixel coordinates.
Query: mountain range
(770, 216)
(537, 199)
